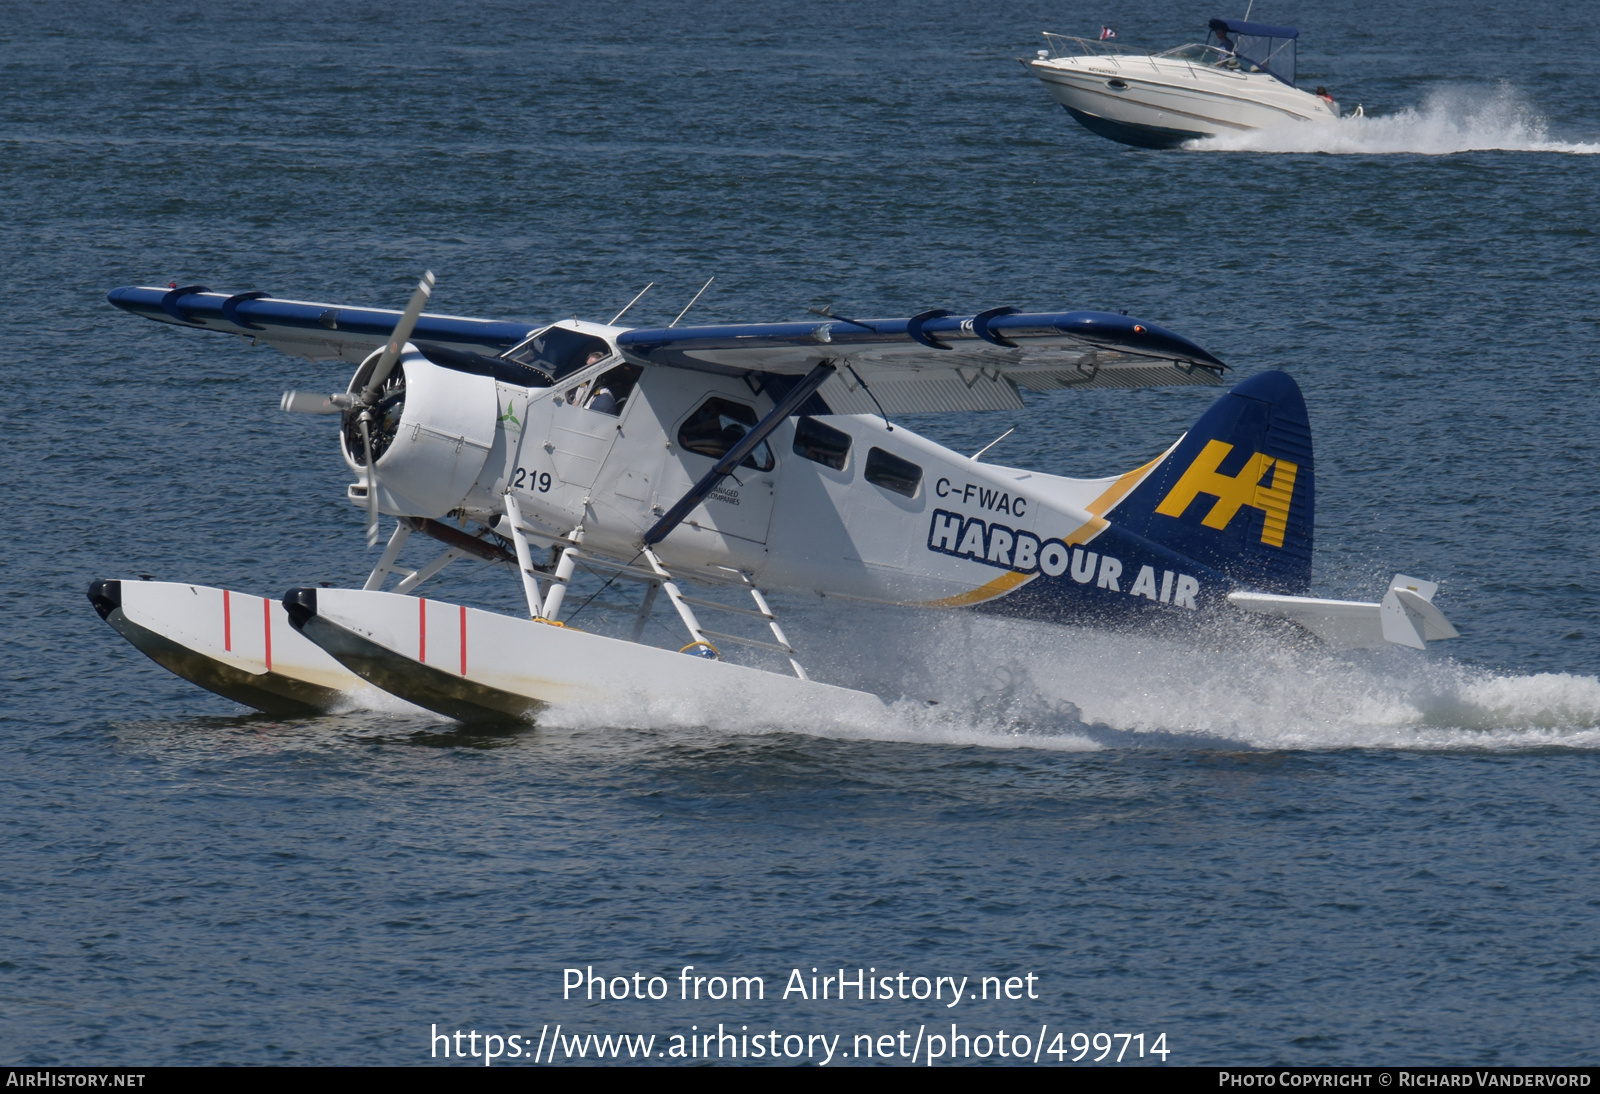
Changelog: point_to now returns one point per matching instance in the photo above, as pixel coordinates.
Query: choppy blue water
(1267, 854)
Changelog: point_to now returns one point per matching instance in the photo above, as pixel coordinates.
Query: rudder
(1237, 493)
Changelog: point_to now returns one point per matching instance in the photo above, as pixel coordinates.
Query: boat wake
(975, 680)
(1450, 120)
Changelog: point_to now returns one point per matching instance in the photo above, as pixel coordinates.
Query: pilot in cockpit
(601, 398)
(609, 391)
(589, 395)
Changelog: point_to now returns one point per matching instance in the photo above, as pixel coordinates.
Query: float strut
(402, 532)
(772, 622)
(684, 611)
(530, 584)
(428, 571)
(644, 610)
(563, 574)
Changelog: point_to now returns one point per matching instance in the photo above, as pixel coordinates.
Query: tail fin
(1237, 492)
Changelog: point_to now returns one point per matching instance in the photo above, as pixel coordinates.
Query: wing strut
(747, 444)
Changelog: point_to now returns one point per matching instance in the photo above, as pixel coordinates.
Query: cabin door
(579, 441)
(707, 424)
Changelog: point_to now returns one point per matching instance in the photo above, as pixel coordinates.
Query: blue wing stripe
(996, 330)
(250, 314)
(673, 345)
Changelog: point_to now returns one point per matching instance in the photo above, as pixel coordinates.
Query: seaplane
(712, 466)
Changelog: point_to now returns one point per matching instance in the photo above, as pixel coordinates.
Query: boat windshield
(1064, 45)
(1264, 48)
(1203, 55)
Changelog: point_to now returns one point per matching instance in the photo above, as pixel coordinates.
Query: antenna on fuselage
(631, 303)
(991, 444)
(690, 304)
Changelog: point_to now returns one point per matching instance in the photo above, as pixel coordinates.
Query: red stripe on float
(266, 615)
(227, 623)
(463, 640)
(422, 630)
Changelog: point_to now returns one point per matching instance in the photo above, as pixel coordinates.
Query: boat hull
(236, 645)
(477, 666)
(1139, 136)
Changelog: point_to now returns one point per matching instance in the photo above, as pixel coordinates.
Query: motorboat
(1241, 78)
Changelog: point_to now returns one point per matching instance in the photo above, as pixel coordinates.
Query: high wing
(317, 332)
(930, 362)
(936, 361)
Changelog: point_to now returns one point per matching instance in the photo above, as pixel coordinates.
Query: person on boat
(1324, 95)
(1230, 56)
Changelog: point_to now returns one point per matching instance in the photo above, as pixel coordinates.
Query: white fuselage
(1167, 99)
(801, 525)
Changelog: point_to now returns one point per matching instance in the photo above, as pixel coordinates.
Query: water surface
(1269, 853)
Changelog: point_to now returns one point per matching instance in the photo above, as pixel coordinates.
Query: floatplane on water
(735, 460)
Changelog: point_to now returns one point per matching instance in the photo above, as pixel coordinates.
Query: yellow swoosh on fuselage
(1009, 582)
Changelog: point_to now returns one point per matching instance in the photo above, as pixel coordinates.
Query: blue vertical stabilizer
(1237, 493)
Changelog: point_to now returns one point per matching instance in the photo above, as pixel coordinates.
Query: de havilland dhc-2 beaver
(737, 459)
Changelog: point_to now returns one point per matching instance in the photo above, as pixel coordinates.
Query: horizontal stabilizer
(1405, 617)
(1409, 616)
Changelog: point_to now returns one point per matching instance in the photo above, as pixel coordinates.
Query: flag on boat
(1107, 32)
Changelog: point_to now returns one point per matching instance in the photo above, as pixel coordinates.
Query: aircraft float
(715, 464)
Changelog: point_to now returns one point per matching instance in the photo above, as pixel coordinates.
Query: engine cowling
(432, 436)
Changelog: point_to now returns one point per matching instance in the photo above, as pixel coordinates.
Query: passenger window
(717, 426)
(821, 443)
(889, 471)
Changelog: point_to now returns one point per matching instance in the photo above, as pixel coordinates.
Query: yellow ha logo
(1243, 489)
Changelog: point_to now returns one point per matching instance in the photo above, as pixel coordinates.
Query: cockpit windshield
(1264, 48)
(559, 352)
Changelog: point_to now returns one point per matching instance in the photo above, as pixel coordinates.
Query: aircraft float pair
(733, 461)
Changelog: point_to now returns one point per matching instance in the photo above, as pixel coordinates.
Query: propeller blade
(372, 481)
(304, 402)
(397, 341)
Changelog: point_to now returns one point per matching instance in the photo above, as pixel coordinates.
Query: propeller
(365, 400)
(365, 421)
(303, 402)
(397, 341)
